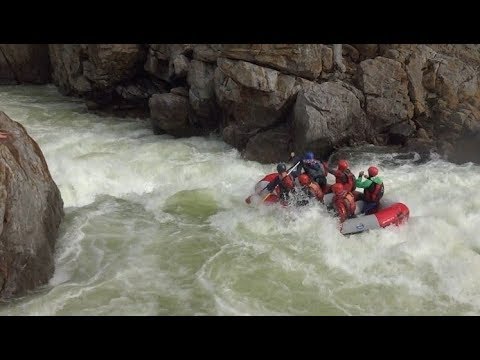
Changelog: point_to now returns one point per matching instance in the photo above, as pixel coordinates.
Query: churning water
(158, 226)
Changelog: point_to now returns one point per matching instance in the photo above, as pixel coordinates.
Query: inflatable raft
(388, 213)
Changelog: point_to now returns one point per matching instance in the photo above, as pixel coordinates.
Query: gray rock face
(208, 53)
(238, 136)
(24, 63)
(303, 60)
(108, 64)
(169, 113)
(367, 51)
(270, 146)
(243, 90)
(168, 61)
(252, 97)
(179, 66)
(81, 68)
(384, 83)
(400, 132)
(31, 209)
(201, 94)
(110, 75)
(327, 114)
(465, 150)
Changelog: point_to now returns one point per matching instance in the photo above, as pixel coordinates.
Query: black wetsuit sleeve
(270, 187)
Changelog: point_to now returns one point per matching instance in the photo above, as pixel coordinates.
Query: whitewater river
(159, 226)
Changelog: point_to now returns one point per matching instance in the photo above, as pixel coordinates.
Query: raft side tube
(395, 214)
(359, 224)
(261, 195)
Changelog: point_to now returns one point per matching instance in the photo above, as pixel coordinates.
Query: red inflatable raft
(389, 213)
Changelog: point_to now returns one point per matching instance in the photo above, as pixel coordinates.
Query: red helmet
(337, 188)
(304, 179)
(342, 165)
(372, 171)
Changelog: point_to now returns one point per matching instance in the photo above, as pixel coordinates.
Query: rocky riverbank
(269, 100)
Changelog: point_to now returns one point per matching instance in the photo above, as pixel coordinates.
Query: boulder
(31, 209)
(202, 94)
(303, 60)
(179, 66)
(400, 132)
(327, 115)
(208, 53)
(465, 149)
(252, 97)
(168, 62)
(385, 85)
(24, 64)
(269, 146)
(366, 51)
(79, 69)
(169, 113)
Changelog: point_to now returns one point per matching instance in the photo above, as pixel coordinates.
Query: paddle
(289, 171)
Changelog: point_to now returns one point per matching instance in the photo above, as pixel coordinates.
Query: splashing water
(158, 226)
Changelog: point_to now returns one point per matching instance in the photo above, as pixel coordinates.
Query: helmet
(281, 168)
(309, 156)
(304, 179)
(372, 171)
(342, 165)
(337, 188)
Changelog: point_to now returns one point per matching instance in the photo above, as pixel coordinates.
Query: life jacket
(345, 205)
(347, 179)
(314, 168)
(351, 181)
(316, 191)
(287, 183)
(374, 192)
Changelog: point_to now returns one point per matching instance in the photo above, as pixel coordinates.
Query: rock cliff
(270, 99)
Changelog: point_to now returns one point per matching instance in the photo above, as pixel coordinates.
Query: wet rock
(31, 209)
(384, 83)
(169, 112)
(400, 132)
(252, 97)
(270, 146)
(24, 64)
(327, 115)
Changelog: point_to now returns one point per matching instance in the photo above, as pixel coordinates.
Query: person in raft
(284, 181)
(309, 188)
(343, 202)
(344, 176)
(315, 169)
(373, 190)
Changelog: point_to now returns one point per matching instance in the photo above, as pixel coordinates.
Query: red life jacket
(316, 191)
(287, 182)
(373, 193)
(351, 181)
(346, 178)
(345, 205)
